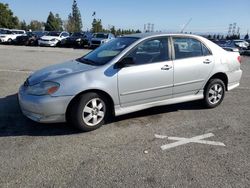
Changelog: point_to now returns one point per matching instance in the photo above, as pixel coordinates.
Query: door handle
(207, 61)
(166, 67)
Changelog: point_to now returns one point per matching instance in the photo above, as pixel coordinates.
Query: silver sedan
(129, 74)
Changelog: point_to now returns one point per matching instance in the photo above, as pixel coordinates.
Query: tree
(35, 25)
(54, 23)
(112, 30)
(246, 37)
(7, 18)
(74, 23)
(97, 26)
(137, 31)
(23, 25)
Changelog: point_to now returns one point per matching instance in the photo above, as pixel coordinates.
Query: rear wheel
(214, 93)
(89, 112)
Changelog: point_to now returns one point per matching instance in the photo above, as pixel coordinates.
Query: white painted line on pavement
(183, 141)
(15, 71)
(160, 136)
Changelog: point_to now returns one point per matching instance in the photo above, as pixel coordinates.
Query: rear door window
(187, 47)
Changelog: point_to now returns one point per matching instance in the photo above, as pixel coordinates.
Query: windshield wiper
(86, 61)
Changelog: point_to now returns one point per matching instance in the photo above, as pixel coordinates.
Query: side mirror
(125, 61)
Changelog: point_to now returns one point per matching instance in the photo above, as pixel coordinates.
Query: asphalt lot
(125, 152)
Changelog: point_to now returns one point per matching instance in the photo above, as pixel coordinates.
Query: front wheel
(214, 93)
(89, 112)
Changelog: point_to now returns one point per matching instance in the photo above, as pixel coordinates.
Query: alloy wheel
(93, 112)
(215, 93)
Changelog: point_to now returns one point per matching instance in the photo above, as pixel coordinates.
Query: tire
(214, 93)
(89, 112)
(9, 41)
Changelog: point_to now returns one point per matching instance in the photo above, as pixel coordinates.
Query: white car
(8, 36)
(99, 39)
(53, 38)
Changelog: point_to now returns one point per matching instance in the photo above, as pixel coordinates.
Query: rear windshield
(101, 35)
(54, 34)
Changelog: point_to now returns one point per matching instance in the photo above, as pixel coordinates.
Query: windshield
(54, 34)
(77, 35)
(101, 35)
(107, 52)
(5, 32)
(38, 33)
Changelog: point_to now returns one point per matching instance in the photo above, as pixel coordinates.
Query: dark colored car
(77, 39)
(30, 39)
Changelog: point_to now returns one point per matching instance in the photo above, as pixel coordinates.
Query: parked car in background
(53, 38)
(242, 45)
(77, 39)
(99, 39)
(129, 74)
(8, 36)
(221, 43)
(30, 38)
(18, 32)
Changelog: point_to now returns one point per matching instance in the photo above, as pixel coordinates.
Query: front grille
(96, 42)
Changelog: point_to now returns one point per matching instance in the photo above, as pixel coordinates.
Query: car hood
(59, 70)
(4, 35)
(98, 39)
(49, 37)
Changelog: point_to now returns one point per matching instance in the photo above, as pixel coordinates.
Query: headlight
(43, 88)
(103, 41)
(78, 40)
(53, 40)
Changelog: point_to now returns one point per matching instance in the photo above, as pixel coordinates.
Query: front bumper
(47, 43)
(2, 40)
(43, 109)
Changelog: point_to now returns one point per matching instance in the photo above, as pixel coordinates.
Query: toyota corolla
(129, 74)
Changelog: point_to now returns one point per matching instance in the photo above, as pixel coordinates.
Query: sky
(208, 16)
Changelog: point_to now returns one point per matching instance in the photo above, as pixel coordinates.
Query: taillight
(239, 59)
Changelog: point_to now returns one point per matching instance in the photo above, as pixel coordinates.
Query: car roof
(148, 35)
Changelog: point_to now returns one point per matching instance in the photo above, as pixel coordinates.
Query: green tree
(246, 37)
(76, 17)
(97, 26)
(23, 25)
(54, 23)
(74, 22)
(35, 25)
(112, 30)
(7, 18)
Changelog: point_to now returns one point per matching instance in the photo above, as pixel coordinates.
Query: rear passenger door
(193, 63)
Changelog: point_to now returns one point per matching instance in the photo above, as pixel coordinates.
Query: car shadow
(193, 105)
(14, 123)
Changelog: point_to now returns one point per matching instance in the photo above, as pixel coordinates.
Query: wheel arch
(101, 92)
(220, 75)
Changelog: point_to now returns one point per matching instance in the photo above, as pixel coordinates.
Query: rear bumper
(44, 109)
(234, 79)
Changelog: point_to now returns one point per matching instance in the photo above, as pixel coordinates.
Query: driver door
(150, 77)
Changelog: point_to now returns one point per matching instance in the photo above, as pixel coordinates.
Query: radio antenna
(185, 26)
